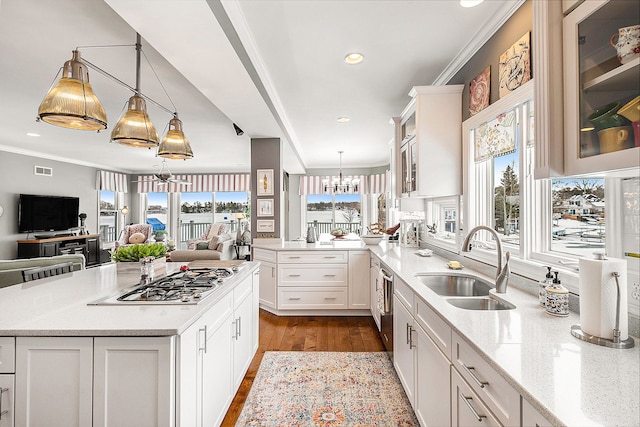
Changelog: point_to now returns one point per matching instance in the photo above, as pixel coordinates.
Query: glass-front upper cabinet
(602, 86)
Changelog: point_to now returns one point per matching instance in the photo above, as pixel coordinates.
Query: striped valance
(369, 184)
(112, 181)
(199, 183)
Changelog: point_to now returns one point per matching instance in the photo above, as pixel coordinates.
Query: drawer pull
(294, 275)
(293, 257)
(467, 400)
(330, 257)
(329, 275)
(294, 299)
(330, 298)
(471, 371)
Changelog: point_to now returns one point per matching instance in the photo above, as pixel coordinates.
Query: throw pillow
(214, 230)
(202, 245)
(213, 243)
(221, 239)
(137, 238)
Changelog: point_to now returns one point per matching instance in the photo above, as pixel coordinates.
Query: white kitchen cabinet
(242, 330)
(404, 347)
(205, 360)
(431, 161)
(375, 275)
(7, 392)
(359, 279)
(255, 296)
(531, 417)
(268, 284)
(489, 386)
(593, 78)
(54, 381)
(134, 381)
(467, 409)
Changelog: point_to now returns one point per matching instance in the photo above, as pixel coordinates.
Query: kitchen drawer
(242, 290)
(312, 298)
(490, 386)
(316, 257)
(264, 255)
(7, 355)
(437, 329)
(403, 292)
(467, 409)
(313, 275)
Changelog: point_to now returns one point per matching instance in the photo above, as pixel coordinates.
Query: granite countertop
(569, 381)
(58, 306)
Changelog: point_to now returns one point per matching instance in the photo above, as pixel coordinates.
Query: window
(196, 213)
(327, 212)
(107, 222)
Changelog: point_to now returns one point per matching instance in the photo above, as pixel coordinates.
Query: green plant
(161, 233)
(134, 253)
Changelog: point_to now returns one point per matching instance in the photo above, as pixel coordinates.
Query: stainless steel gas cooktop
(181, 288)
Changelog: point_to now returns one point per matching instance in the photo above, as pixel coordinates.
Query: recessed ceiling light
(33, 134)
(343, 119)
(353, 58)
(470, 3)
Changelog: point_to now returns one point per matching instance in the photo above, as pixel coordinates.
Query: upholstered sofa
(215, 244)
(11, 270)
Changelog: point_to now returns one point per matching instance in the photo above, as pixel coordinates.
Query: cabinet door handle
(411, 344)
(239, 327)
(204, 340)
(273, 272)
(235, 330)
(294, 299)
(408, 333)
(6, 411)
(471, 371)
(467, 400)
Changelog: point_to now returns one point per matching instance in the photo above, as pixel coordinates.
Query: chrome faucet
(502, 274)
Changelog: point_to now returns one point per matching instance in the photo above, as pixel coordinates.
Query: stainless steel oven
(386, 313)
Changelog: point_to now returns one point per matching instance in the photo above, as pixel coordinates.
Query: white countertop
(301, 245)
(58, 306)
(571, 382)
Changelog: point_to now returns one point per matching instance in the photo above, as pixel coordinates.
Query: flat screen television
(47, 213)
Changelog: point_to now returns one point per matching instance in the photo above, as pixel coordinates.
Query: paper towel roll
(598, 293)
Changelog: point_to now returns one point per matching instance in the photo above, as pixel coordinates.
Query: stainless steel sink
(450, 285)
(484, 303)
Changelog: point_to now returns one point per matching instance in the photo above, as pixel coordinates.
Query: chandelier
(340, 184)
(72, 104)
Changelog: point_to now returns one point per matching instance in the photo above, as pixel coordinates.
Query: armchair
(137, 229)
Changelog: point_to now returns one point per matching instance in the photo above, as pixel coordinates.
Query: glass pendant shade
(72, 103)
(175, 145)
(135, 128)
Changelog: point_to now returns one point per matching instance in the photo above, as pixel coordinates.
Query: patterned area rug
(326, 389)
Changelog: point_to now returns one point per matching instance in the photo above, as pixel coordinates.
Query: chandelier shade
(71, 103)
(175, 145)
(135, 129)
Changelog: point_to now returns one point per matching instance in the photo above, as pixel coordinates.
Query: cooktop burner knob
(185, 297)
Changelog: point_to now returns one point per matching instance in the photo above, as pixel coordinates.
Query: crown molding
(478, 40)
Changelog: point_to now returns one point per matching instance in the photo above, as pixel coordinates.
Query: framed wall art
(479, 92)
(265, 182)
(515, 66)
(265, 226)
(265, 207)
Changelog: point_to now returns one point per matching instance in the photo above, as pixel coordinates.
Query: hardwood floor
(305, 333)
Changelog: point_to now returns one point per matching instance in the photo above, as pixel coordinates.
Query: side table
(238, 246)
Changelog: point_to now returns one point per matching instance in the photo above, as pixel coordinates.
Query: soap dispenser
(557, 298)
(542, 292)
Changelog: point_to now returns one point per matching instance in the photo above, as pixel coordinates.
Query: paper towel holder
(577, 332)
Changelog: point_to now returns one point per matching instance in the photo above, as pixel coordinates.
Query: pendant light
(341, 185)
(135, 129)
(175, 145)
(72, 103)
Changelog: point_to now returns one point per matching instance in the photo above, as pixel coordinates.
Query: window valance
(112, 181)
(496, 137)
(199, 183)
(368, 184)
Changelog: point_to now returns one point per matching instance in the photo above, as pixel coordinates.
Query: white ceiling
(274, 67)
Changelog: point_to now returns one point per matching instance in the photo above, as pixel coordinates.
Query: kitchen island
(66, 361)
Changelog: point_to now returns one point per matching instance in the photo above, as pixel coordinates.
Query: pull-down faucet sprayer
(502, 274)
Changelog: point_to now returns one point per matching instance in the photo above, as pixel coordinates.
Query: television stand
(87, 244)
